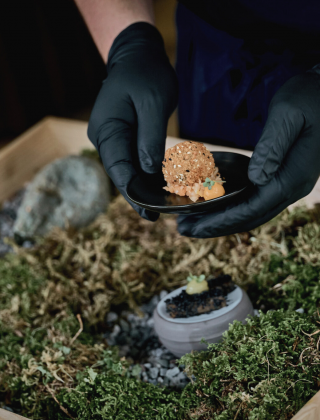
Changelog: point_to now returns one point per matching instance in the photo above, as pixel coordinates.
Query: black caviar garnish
(170, 159)
(165, 159)
(203, 154)
(163, 165)
(187, 170)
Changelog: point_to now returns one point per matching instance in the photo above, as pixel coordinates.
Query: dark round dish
(147, 190)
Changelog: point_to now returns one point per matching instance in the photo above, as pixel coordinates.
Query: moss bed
(54, 363)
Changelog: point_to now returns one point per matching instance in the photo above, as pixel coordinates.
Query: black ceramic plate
(147, 190)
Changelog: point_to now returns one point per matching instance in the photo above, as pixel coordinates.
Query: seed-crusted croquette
(187, 166)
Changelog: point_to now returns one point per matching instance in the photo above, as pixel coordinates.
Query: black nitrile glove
(284, 167)
(129, 120)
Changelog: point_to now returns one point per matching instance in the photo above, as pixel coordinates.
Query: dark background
(49, 64)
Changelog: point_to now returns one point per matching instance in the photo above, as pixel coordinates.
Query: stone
(172, 372)
(124, 350)
(116, 330)
(153, 372)
(124, 325)
(164, 363)
(163, 372)
(135, 334)
(160, 380)
(150, 322)
(163, 294)
(157, 352)
(111, 317)
(71, 191)
(166, 381)
(153, 381)
(147, 365)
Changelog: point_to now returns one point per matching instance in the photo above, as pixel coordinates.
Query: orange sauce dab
(217, 190)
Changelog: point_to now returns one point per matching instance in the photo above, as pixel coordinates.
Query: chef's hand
(129, 120)
(284, 167)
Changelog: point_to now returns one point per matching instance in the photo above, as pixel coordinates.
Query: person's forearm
(107, 18)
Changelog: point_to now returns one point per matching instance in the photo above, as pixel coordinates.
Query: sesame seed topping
(179, 166)
(174, 166)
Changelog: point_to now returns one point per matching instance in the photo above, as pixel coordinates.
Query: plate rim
(190, 205)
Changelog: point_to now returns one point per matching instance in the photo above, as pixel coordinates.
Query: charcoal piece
(185, 305)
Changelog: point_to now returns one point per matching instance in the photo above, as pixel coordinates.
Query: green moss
(266, 369)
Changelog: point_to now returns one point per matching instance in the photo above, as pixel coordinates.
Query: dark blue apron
(227, 81)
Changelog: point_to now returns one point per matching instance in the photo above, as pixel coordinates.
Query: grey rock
(124, 325)
(150, 322)
(116, 330)
(160, 380)
(163, 294)
(164, 363)
(157, 352)
(147, 365)
(69, 191)
(135, 334)
(124, 350)
(172, 372)
(166, 381)
(163, 372)
(153, 381)
(153, 372)
(112, 317)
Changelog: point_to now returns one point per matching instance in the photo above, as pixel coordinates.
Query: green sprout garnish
(198, 279)
(208, 183)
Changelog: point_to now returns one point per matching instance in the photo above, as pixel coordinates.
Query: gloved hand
(129, 120)
(284, 167)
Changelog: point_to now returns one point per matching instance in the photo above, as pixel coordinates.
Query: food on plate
(187, 304)
(189, 170)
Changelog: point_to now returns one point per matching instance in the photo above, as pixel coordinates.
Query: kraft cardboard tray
(54, 138)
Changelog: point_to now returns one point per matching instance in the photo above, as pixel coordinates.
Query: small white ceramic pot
(182, 335)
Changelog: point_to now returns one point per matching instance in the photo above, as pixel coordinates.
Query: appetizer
(189, 170)
(201, 296)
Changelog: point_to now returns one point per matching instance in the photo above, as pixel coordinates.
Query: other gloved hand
(129, 120)
(284, 167)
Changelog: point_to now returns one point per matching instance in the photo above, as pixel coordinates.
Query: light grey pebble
(163, 371)
(157, 352)
(153, 372)
(160, 380)
(150, 322)
(164, 363)
(163, 294)
(172, 372)
(147, 365)
(124, 325)
(116, 330)
(124, 350)
(135, 334)
(153, 381)
(166, 381)
(112, 317)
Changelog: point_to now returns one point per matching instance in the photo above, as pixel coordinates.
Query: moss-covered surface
(53, 301)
